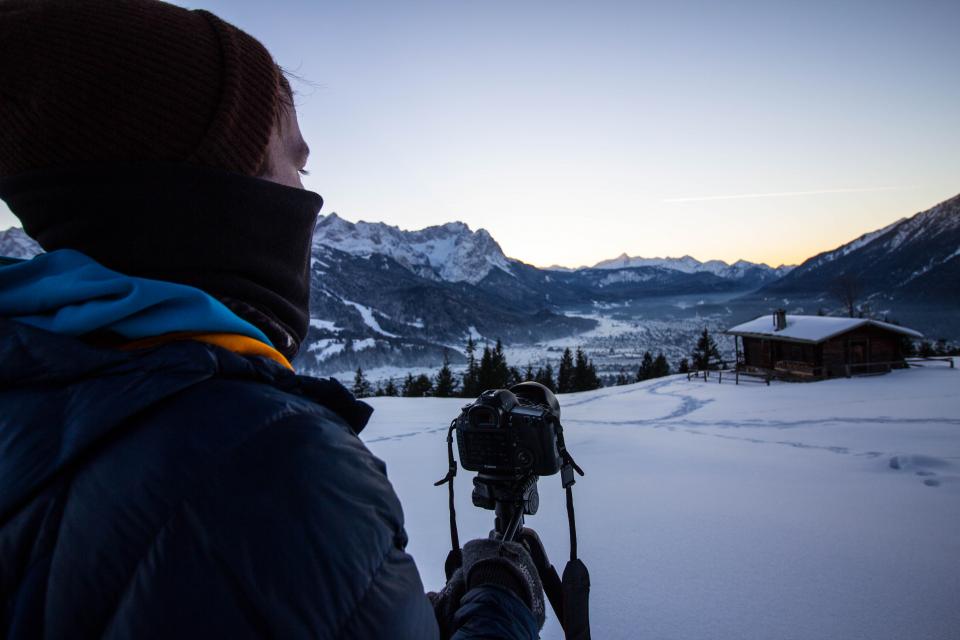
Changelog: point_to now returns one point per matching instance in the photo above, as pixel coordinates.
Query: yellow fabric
(235, 342)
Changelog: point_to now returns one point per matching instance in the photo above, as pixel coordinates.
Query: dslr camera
(511, 432)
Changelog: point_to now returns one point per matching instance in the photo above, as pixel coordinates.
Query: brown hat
(103, 81)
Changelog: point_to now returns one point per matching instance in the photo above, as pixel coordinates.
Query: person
(163, 470)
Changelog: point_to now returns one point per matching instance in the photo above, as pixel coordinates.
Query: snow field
(818, 510)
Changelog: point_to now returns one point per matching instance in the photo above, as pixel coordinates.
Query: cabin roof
(811, 329)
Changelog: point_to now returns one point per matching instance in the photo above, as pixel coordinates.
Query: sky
(577, 131)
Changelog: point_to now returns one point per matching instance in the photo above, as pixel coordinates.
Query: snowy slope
(450, 252)
(820, 510)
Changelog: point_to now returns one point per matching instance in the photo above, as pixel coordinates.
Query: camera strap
(454, 559)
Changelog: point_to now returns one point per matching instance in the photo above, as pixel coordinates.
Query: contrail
(783, 194)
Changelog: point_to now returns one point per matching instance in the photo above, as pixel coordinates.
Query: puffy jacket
(184, 490)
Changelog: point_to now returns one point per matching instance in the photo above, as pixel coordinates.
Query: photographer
(163, 471)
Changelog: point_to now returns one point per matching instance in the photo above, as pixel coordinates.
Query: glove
(508, 565)
(446, 602)
(487, 562)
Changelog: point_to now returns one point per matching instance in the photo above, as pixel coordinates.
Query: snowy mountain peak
(689, 264)
(450, 252)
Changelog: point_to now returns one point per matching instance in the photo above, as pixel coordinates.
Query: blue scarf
(66, 292)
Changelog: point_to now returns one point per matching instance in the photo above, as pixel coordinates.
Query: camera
(511, 432)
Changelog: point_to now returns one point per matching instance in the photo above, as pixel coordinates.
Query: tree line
(487, 369)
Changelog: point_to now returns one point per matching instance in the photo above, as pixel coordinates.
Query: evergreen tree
(544, 376)
(684, 366)
(565, 372)
(621, 379)
(660, 366)
(584, 373)
(416, 387)
(378, 392)
(515, 377)
(705, 355)
(529, 374)
(926, 349)
(471, 381)
(485, 371)
(390, 389)
(645, 371)
(500, 372)
(445, 384)
(361, 386)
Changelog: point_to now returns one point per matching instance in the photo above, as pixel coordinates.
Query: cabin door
(858, 351)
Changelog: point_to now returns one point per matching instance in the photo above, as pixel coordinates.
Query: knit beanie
(92, 81)
(131, 130)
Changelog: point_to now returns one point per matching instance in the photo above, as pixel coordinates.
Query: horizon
(775, 265)
(576, 133)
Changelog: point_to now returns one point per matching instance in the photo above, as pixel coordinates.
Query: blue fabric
(67, 292)
(186, 491)
(491, 611)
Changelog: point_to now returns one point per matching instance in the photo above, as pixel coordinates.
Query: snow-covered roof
(811, 328)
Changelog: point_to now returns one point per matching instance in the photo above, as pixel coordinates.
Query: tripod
(511, 499)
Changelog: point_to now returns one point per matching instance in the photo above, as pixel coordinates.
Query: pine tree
(416, 387)
(621, 379)
(660, 366)
(515, 377)
(444, 385)
(684, 366)
(645, 372)
(471, 382)
(544, 376)
(390, 389)
(485, 371)
(406, 389)
(529, 374)
(500, 372)
(565, 372)
(361, 386)
(584, 373)
(705, 355)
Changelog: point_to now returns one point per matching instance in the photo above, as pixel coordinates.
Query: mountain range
(386, 296)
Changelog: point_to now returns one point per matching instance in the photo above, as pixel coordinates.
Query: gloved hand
(488, 562)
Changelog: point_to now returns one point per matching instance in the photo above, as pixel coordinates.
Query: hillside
(914, 260)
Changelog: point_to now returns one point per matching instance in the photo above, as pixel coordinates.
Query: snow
(365, 343)
(367, 314)
(325, 348)
(327, 325)
(450, 252)
(812, 328)
(626, 275)
(818, 510)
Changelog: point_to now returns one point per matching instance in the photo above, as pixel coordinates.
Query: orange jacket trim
(235, 342)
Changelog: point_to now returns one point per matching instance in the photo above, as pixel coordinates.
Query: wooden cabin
(817, 347)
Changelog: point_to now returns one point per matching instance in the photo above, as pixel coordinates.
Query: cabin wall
(858, 348)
